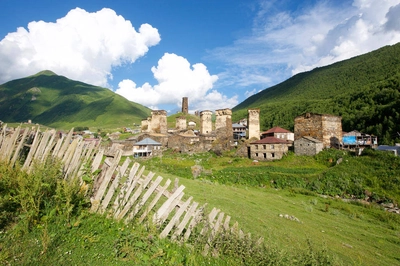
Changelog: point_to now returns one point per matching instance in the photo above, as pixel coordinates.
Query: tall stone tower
(185, 105)
(223, 123)
(181, 123)
(205, 122)
(253, 123)
(158, 121)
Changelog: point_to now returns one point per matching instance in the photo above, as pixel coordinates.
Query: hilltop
(56, 101)
(364, 91)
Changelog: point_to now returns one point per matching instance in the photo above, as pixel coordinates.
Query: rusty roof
(271, 140)
(276, 130)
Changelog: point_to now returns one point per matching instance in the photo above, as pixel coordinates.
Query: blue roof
(148, 141)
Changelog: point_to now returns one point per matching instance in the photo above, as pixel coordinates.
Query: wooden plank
(133, 184)
(197, 217)
(57, 147)
(65, 145)
(41, 146)
(135, 196)
(114, 185)
(97, 160)
(226, 223)
(20, 144)
(32, 150)
(76, 161)
(210, 222)
(119, 200)
(11, 144)
(171, 207)
(175, 218)
(49, 146)
(107, 178)
(161, 211)
(185, 220)
(69, 153)
(145, 197)
(160, 192)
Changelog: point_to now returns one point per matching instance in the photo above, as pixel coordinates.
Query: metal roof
(148, 141)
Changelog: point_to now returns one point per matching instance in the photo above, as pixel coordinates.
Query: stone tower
(181, 123)
(253, 123)
(158, 122)
(323, 127)
(205, 122)
(185, 105)
(223, 123)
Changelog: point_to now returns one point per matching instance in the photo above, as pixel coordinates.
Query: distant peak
(46, 73)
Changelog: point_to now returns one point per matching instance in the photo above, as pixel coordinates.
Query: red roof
(276, 130)
(271, 140)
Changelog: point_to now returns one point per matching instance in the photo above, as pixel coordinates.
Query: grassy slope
(363, 235)
(358, 235)
(64, 103)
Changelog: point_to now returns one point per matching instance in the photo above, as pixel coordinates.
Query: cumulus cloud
(176, 79)
(83, 46)
(285, 42)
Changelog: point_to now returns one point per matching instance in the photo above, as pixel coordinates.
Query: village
(312, 133)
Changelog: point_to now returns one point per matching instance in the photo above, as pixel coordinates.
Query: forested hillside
(364, 90)
(57, 101)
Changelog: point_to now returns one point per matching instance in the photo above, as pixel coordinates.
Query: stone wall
(253, 123)
(185, 105)
(223, 123)
(265, 152)
(205, 122)
(158, 122)
(181, 123)
(325, 128)
(332, 130)
(304, 146)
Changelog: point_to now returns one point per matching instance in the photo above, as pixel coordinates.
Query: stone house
(307, 146)
(323, 127)
(268, 148)
(146, 147)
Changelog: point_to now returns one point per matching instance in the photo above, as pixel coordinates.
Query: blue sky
(217, 53)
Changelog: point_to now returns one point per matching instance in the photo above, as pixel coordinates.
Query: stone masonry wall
(253, 123)
(181, 123)
(205, 122)
(223, 123)
(158, 121)
(325, 128)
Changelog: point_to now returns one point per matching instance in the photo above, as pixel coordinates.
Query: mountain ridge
(57, 101)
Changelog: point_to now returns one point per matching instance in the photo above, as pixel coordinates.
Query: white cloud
(286, 42)
(176, 79)
(83, 46)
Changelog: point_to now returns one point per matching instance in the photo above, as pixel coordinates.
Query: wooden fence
(120, 190)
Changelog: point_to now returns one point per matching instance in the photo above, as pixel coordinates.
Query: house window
(256, 147)
(272, 147)
(273, 155)
(256, 154)
(264, 147)
(265, 156)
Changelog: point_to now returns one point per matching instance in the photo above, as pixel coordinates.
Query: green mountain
(364, 90)
(56, 101)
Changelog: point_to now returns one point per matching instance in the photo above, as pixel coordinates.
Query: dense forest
(364, 91)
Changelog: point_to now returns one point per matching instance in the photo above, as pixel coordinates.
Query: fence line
(121, 192)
